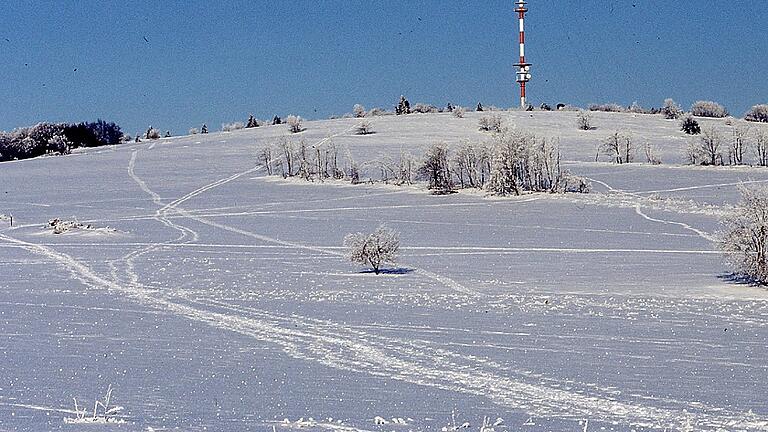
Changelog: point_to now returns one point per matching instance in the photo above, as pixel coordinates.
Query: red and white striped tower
(523, 68)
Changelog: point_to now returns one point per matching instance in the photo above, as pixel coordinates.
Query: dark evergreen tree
(479, 107)
(403, 106)
(252, 123)
(204, 129)
(277, 120)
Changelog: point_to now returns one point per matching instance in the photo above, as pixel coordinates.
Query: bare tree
(738, 143)
(620, 147)
(711, 143)
(265, 155)
(760, 147)
(436, 170)
(745, 238)
(289, 156)
(373, 249)
(650, 154)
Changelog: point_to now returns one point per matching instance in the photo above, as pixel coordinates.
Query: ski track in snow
(346, 348)
(341, 347)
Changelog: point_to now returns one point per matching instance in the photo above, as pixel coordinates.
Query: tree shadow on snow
(737, 279)
(392, 271)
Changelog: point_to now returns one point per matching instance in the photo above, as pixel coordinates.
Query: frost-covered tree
(435, 169)
(745, 236)
(373, 249)
(758, 113)
(294, 123)
(193, 131)
(583, 120)
(358, 111)
(708, 109)
(671, 110)
(458, 111)
(522, 162)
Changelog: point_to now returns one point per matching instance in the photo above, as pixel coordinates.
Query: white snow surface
(223, 301)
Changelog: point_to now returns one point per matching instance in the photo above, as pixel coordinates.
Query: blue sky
(178, 64)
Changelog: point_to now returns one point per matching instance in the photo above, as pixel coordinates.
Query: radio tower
(523, 68)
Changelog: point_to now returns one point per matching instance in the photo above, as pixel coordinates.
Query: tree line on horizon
(56, 138)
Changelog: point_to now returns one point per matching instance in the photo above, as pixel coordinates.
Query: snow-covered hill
(211, 296)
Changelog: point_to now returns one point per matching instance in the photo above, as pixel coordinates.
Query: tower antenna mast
(523, 68)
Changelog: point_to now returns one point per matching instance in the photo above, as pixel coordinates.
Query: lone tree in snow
(745, 238)
(373, 249)
(204, 129)
(294, 123)
(403, 107)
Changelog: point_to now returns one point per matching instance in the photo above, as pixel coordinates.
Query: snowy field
(212, 297)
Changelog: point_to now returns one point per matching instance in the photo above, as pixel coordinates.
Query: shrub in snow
(193, 131)
(424, 108)
(758, 113)
(490, 123)
(609, 107)
(690, 126)
(294, 123)
(435, 169)
(650, 154)
(363, 128)
(229, 127)
(545, 107)
(373, 249)
(671, 110)
(619, 147)
(403, 106)
(745, 236)
(459, 111)
(583, 120)
(708, 109)
(374, 112)
(152, 133)
(358, 111)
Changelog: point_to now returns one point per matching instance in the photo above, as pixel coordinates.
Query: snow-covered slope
(220, 299)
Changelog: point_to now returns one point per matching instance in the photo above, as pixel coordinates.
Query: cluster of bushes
(56, 138)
